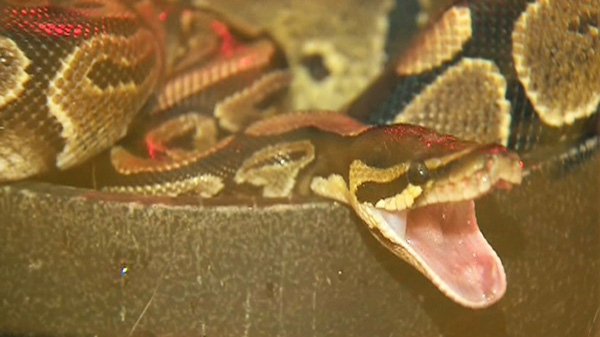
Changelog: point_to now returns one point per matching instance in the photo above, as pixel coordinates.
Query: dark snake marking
(478, 73)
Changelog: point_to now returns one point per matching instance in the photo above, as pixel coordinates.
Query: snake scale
(199, 99)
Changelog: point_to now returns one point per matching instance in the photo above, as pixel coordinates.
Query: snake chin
(444, 242)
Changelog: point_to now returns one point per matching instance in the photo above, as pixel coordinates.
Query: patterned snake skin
(192, 94)
(99, 55)
(522, 74)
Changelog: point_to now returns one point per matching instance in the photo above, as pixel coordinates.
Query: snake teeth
(400, 201)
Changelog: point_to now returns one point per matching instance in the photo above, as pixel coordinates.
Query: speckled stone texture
(306, 269)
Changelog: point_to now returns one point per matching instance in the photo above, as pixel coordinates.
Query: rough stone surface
(306, 269)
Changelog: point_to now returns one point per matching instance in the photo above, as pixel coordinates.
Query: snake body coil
(74, 76)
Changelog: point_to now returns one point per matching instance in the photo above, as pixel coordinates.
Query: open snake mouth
(444, 240)
(438, 233)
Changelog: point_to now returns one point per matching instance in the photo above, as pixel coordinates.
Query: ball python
(76, 74)
(525, 74)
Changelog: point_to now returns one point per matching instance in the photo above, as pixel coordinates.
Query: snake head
(415, 190)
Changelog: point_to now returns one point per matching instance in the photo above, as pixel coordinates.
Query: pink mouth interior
(447, 240)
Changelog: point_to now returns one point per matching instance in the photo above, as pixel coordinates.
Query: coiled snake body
(75, 75)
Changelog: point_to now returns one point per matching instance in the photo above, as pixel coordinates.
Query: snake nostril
(316, 67)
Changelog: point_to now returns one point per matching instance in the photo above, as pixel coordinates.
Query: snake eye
(417, 174)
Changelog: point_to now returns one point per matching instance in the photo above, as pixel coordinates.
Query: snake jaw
(479, 172)
(444, 243)
(434, 227)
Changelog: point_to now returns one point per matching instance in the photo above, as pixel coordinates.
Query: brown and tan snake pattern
(199, 102)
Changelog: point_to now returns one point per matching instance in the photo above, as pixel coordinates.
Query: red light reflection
(228, 42)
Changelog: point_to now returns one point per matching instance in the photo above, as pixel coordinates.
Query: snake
(169, 100)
